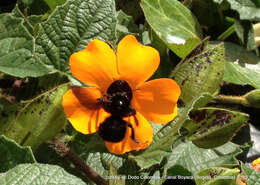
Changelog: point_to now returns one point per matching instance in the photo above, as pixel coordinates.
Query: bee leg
(133, 134)
(101, 100)
(132, 111)
(105, 103)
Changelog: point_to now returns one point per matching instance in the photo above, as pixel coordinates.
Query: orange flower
(241, 180)
(256, 164)
(99, 66)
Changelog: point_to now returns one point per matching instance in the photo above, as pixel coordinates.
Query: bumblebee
(117, 101)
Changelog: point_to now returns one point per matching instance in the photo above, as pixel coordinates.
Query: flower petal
(136, 62)
(83, 110)
(256, 163)
(241, 180)
(95, 65)
(157, 99)
(143, 133)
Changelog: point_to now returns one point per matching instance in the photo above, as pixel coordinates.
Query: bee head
(118, 98)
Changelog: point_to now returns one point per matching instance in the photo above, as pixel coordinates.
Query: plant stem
(232, 100)
(64, 151)
(227, 33)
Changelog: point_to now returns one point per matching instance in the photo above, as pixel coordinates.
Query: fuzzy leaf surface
(71, 27)
(17, 49)
(164, 139)
(252, 176)
(196, 159)
(68, 29)
(35, 174)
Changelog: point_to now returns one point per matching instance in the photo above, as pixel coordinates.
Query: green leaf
(156, 178)
(95, 161)
(92, 150)
(125, 25)
(234, 52)
(245, 33)
(71, 27)
(46, 155)
(167, 64)
(29, 25)
(35, 174)
(34, 7)
(217, 176)
(163, 140)
(252, 176)
(130, 7)
(30, 22)
(243, 67)
(253, 98)
(114, 178)
(178, 170)
(200, 73)
(68, 29)
(214, 126)
(203, 100)
(101, 162)
(242, 74)
(8, 114)
(158, 44)
(201, 8)
(27, 2)
(17, 51)
(38, 120)
(34, 20)
(247, 9)
(132, 173)
(195, 159)
(174, 24)
(12, 154)
(53, 3)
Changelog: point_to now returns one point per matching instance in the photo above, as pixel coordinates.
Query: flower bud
(256, 28)
(253, 98)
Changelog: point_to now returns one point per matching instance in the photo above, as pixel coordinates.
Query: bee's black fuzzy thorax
(117, 102)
